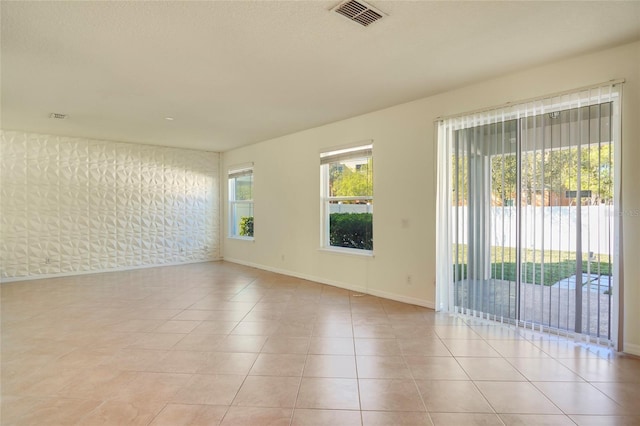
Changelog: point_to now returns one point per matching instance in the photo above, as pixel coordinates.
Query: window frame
(344, 152)
(233, 223)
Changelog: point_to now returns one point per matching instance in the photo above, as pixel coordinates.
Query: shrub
(351, 230)
(246, 226)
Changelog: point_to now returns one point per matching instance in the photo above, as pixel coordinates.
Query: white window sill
(236, 237)
(347, 251)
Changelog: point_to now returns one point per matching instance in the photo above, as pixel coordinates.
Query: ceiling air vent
(58, 116)
(359, 12)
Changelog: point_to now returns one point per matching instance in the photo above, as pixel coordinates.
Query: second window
(347, 198)
(241, 202)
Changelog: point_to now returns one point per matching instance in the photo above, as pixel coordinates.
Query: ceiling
(232, 73)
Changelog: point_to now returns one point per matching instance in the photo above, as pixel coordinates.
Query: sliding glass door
(483, 159)
(531, 216)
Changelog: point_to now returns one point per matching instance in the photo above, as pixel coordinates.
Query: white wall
(287, 210)
(71, 205)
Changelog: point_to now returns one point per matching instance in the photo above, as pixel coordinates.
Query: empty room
(320, 213)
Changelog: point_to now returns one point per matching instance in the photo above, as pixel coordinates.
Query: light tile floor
(219, 343)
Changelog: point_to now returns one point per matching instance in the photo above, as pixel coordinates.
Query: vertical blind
(526, 222)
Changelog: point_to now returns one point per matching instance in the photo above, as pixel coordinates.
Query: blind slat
(330, 157)
(239, 173)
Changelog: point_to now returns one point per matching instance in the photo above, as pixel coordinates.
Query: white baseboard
(101, 271)
(339, 284)
(630, 348)
(404, 299)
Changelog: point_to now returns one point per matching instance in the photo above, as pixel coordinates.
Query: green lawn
(554, 266)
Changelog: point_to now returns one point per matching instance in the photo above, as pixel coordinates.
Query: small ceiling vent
(58, 116)
(359, 12)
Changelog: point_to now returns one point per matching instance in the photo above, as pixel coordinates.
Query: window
(347, 198)
(241, 202)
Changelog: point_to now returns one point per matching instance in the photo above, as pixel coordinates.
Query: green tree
(504, 177)
(554, 171)
(246, 226)
(243, 188)
(597, 173)
(351, 182)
